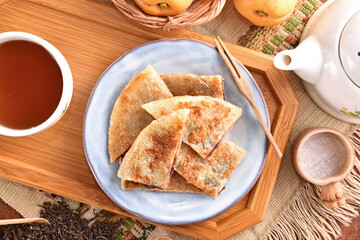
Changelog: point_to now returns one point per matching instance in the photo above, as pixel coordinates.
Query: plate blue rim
(138, 214)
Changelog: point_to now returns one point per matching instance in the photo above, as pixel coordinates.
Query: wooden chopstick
(244, 88)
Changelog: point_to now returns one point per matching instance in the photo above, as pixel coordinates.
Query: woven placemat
(271, 40)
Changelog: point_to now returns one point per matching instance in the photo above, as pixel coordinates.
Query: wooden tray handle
(333, 195)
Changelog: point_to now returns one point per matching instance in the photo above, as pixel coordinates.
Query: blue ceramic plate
(173, 56)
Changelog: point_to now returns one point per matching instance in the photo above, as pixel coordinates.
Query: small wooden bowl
(199, 13)
(332, 193)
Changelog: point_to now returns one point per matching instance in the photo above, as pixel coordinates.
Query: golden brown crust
(150, 159)
(210, 175)
(210, 119)
(177, 184)
(127, 117)
(194, 85)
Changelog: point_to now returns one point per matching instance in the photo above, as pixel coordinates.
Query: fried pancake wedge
(150, 159)
(210, 175)
(127, 117)
(194, 85)
(210, 119)
(177, 184)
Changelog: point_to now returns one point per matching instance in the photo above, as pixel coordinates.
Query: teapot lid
(349, 49)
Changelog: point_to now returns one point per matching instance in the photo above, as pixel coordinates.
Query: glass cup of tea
(36, 84)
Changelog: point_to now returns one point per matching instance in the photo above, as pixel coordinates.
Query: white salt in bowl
(323, 155)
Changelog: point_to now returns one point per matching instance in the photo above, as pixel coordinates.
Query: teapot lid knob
(350, 49)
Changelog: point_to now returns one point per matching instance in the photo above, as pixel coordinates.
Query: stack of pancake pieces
(183, 149)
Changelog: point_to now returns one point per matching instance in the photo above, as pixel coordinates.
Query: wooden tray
(91, 35)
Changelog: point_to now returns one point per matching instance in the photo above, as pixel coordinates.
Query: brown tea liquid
(30, 84)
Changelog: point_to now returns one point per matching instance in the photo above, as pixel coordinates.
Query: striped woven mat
(271, 40)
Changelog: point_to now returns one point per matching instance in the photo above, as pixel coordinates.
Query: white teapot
(328, 59)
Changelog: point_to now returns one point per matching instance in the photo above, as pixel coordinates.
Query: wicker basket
(199, 12)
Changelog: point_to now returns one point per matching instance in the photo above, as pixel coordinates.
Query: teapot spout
(306, 60)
